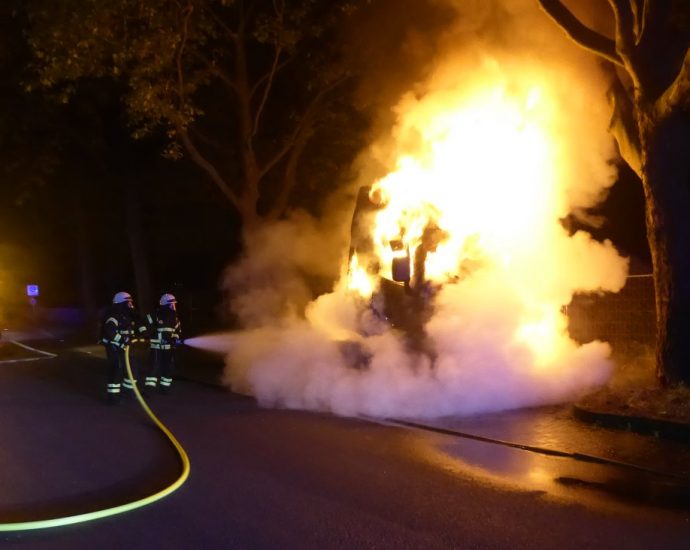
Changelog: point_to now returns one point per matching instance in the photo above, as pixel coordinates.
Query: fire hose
(115, 510)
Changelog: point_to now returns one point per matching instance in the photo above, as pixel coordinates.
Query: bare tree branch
(279, 9)
(300, 127)
(187, 13)
(269, 74)
(267, 89)
(200, 160)
(623, 126)
(244, 110)
(245, 16)
(181, 126)
(290, 175)
(284, 150)
(655, 17)
(625, 37)
(679, 90)
(218, 145)
(229, 83)
(230, 32)
(580, 33)
(640, 11)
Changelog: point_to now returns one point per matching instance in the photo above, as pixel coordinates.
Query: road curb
(656, 427)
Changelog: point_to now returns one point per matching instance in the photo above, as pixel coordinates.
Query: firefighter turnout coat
(164, 333)
(164, 328)
(120, 328)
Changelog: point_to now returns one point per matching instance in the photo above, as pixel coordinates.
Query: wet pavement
(556, 428)
(551, 428)
(582, 478)
(548, 428)
(547, 449)
(106, 455)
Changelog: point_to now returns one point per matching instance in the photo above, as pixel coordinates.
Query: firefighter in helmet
(119, 329)
(164, 330)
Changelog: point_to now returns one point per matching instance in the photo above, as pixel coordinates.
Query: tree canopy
(237, 86)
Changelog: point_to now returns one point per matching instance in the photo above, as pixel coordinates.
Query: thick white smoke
(292, 353)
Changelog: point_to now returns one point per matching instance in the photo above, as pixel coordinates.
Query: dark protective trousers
(162, 366)
(117, 371)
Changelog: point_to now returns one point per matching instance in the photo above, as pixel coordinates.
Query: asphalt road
(287, 479)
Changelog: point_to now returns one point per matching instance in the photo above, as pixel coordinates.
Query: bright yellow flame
(358, 280)
(482, 167)
(487, 169)
(542, 335)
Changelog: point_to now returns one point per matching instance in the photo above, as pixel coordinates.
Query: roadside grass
(634, 390)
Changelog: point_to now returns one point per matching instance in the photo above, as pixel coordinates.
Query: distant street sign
(32, 290)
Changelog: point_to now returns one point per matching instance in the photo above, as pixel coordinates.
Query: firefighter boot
(113, 399)
(150, 386)
(165, 383)
(113, 396)
(129, 388)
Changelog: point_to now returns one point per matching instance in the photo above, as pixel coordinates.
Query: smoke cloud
(295, 351)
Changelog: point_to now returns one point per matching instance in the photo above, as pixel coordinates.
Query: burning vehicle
(451, 298)
(467, 224)
(397, 289)
(403, 297)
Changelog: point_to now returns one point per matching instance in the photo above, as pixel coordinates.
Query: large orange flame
(482, 165)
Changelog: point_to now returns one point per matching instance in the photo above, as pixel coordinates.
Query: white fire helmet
(167, 300)
(122, 297)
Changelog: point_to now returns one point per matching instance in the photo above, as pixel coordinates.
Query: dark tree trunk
(85, 252)
(666, 180)
(251, 221)
(140, 261)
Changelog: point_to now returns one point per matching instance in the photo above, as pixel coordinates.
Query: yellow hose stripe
(106, 512)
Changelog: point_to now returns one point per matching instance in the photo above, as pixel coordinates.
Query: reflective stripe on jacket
(165, 328)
